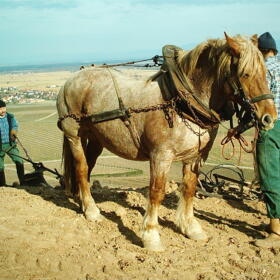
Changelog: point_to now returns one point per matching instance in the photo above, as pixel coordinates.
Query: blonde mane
(218, 56)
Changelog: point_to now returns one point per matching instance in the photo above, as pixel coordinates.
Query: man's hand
(13, 135)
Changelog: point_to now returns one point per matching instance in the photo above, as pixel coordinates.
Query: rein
(247, 106)
(243, 145)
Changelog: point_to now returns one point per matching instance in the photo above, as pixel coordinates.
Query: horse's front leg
(89, 207)
(159, 167)
(185, 219)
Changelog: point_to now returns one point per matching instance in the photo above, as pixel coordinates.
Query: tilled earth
(44, 235)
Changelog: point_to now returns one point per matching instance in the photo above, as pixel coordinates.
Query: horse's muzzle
(267, 122)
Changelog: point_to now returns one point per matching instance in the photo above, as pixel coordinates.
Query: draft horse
(219, 72)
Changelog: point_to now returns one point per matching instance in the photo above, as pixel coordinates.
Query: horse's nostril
(266, 120)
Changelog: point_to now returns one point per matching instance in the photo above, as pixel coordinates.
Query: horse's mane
(218, 55)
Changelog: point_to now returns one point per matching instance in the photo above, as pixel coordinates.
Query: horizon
(87, 61)
(38, 32)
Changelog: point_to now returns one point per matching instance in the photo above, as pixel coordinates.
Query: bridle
(246, 113)
(240, 98)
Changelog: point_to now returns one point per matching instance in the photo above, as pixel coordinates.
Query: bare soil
(44, 235)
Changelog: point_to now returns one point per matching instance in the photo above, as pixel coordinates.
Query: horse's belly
(188, 155)
(116, 137)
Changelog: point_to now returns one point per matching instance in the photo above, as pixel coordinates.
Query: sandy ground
(44, 235)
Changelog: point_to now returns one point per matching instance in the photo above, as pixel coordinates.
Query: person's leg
(268, 157)
(14, 153)
(20, 172)
(2, 172)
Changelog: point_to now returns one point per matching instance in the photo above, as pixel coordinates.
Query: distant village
(14, 95)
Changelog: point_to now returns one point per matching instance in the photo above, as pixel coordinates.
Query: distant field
(43, 140)
(35, 81)
(37, 131)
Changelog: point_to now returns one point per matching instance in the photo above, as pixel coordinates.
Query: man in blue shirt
(268, 147)
(8, 132)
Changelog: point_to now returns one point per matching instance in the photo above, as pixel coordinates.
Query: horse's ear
(254, 39)
(233, 45)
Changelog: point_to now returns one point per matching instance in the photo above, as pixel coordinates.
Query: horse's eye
(246, 76)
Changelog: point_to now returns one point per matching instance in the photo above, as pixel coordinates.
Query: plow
(227, 181)
(214, 183)
(36, 177)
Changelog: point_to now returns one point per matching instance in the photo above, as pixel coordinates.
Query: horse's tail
(69, 174)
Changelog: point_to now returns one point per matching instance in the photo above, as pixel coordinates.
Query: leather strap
(262, 97)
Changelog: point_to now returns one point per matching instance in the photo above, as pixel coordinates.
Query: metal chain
(168, 116)
(72, 116)
(166, 107)
(187, 124)
(157, 107)
(171, 104)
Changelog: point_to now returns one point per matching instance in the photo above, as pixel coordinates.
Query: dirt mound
(44, 235)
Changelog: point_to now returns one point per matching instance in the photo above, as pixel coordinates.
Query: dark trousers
(13, 152)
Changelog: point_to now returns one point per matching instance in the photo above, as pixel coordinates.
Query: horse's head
(245, 80)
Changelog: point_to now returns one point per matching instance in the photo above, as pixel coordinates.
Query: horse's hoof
(153, 246)
(151, 241)
(94, 217)
(201, 236)
(193, 230)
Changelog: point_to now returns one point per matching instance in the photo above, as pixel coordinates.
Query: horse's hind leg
(184, 216)
(159, 166)
(93, 150)
(81, 171)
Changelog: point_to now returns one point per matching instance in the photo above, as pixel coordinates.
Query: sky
(61, 31)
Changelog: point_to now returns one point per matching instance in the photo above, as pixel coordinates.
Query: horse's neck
(203, 79)
(202, 85)
(202, 68)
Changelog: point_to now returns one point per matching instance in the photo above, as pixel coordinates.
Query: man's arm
(14, 128)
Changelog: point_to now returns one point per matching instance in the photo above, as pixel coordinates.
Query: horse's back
(95, 90)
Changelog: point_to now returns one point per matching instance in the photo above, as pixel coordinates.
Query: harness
(247, 105)
(173, 82)
(181, 99)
